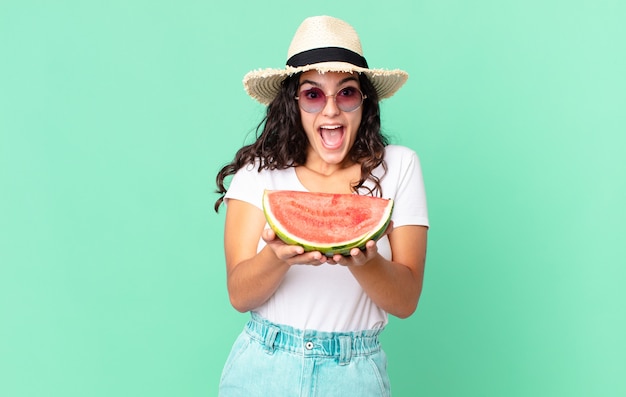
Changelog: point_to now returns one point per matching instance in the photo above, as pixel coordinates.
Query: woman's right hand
(291, 254)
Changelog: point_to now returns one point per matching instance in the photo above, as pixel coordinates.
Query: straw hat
(325, 44)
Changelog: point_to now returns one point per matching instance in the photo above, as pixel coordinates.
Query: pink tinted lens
(348, 99)
(312, 100)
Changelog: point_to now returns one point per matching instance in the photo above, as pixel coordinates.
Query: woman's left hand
(357, 256)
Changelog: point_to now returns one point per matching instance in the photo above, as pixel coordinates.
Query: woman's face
(331, 131)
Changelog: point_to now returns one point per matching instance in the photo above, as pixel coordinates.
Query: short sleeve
(410, 196)
(246, 186)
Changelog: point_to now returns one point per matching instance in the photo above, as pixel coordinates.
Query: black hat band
(327, 54)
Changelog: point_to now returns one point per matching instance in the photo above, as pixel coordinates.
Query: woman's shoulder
(399, 149)
(398, 152)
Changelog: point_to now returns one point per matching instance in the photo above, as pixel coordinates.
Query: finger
(371, 246)
(304, 258)
(268, 235)
(357, 254)
(286, 252)
(297, 250)
(360, 257)
(314, 258)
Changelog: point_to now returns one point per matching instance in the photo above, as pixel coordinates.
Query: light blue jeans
(271, 360)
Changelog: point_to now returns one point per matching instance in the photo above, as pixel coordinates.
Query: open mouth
(332, 136)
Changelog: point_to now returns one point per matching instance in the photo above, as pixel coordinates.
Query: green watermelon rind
(342, 249)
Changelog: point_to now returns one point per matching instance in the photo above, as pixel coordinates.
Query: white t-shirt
(327, 297)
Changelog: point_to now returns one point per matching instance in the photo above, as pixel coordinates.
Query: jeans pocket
(378, 361)
(239, 348)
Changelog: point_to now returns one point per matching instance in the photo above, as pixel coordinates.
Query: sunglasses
(347, 99)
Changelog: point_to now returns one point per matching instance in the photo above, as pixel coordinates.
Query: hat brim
(263, 85)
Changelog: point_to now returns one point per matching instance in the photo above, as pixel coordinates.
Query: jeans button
(308, 345)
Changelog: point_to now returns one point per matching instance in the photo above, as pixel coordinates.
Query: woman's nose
(330, 107)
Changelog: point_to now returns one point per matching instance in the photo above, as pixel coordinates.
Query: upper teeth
(330, 127)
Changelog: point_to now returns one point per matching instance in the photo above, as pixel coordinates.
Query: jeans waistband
(341, 345)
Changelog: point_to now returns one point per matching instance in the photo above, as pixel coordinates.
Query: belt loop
(270, 337)
(345, 349)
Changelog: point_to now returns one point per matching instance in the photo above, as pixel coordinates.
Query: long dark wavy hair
(282, 142)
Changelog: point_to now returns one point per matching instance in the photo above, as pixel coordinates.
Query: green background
(116, 115)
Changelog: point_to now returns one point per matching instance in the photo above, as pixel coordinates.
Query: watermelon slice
(325, 222)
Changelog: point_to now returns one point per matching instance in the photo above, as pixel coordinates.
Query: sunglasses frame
(363, 97)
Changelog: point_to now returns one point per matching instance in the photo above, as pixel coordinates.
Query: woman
(315, 320)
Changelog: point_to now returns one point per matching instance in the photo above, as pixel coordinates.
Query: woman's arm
(396, 285)
(252, 277)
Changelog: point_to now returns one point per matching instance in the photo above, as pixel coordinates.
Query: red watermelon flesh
(325, 222)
